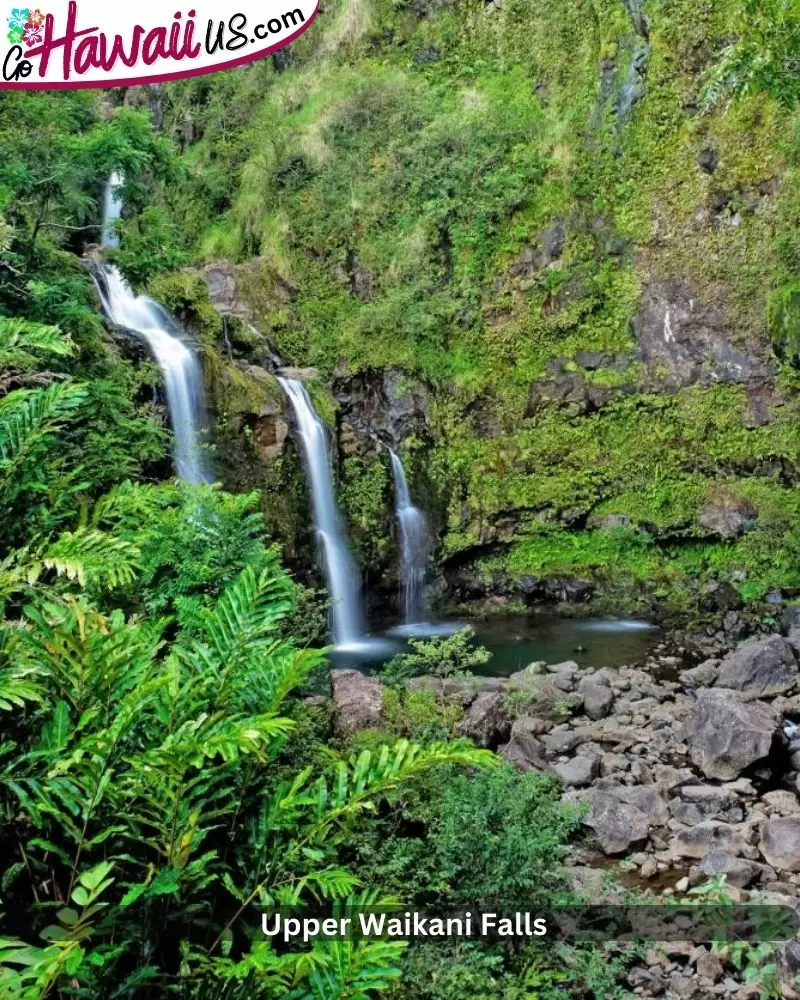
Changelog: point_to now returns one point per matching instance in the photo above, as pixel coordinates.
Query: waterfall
(414, 546)
(179, 366)
(112, 210)
(338, 563)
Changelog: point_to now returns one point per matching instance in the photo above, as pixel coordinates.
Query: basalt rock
(524, 751)
(486, 723)
(245, 290)
(534, 258)
(622, 816)
(728, 517)
(686, 341)
(357, 702)
(568, 390)
(737, 871)
(384, 403)
(780, 843)
(598, 699)
(698, 841)
(760, 668)
(578, 772)
(725, 736)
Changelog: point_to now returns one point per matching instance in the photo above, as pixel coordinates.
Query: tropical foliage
(148, 799)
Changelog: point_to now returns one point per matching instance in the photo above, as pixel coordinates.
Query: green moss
(784, 319)
(365, 497)
(186, 297)
(389, 180)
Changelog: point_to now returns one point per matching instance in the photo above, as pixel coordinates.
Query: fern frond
(373, 774)
(248, 612)
(23, 343)
(28, 416)
(94, 557)
(18, 688)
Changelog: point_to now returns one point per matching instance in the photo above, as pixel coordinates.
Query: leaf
(93, 878)
(80, 896)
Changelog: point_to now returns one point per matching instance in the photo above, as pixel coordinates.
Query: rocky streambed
(684, 774)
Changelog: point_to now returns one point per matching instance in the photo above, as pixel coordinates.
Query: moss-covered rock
(522, 242)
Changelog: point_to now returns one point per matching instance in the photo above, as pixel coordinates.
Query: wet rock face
(683, 341)
(384, 403)
(269, 436)
(534, 258)
(725, 736)
(352, 273)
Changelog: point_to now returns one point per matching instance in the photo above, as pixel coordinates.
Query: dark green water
(514, 642)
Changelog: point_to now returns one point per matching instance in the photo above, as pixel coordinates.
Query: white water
(178, 364)
(112, 210)
(414, 546)
(340, 571)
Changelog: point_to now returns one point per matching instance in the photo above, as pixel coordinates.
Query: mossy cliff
(533, 220)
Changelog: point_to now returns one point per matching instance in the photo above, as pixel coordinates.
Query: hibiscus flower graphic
(15, 36)
(32, 35)
(35, 18)
(18, 19)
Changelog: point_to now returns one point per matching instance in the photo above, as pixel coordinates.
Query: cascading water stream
(178, 364)
(347, 618)
(414, 546)
(112, 210)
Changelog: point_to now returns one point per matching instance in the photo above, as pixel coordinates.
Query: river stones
(623, 815)
(760, 668)
(725, 736)
(780, 843)
(486, 723)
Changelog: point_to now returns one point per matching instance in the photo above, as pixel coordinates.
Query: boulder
(357, 702)
(737, 871)
(563, 742)
(780, 843)
(725, 736)
(728, 518)
(703, 675)
(486, 722)
(782, 801)
(760, 668)
(622, 816)
(578, 772)
(788, 963)
(709, 967)
(698, 841)
(463, 691)
(598, 699)
(524, 752)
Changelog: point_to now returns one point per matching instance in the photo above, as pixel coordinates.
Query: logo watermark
(70, 45)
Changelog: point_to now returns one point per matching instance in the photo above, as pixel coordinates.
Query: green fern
(28, 417)
(23, 344)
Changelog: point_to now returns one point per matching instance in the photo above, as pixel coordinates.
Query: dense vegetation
(161, 775)
(485, 198)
